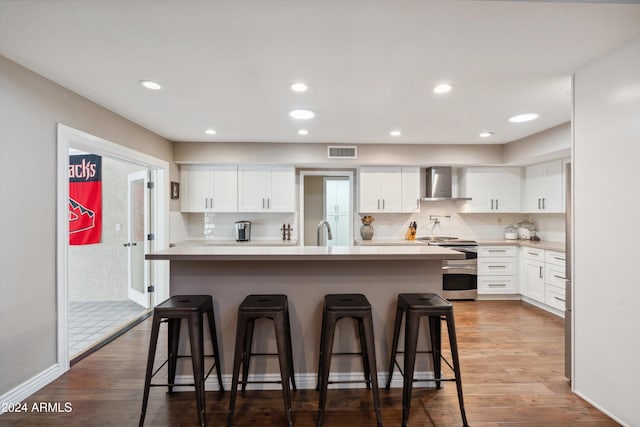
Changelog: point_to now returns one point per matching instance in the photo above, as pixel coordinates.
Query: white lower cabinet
(543, 278)
(497, 270)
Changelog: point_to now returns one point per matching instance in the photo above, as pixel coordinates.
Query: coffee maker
(243, 231)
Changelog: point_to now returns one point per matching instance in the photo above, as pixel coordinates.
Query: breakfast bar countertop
(291, 253)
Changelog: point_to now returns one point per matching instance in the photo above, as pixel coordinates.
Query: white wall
(606, 200)
(553, 143)
(30, 109)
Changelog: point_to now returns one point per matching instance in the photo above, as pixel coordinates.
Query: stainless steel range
(459, 276)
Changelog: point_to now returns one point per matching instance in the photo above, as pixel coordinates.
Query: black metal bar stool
(172, 311)
(415, 306)
(336, 307)
(274, 307)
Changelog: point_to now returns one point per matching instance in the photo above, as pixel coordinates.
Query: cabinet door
(196, 191)
(224, 189)
(552, 194)
(380, 189)
(477, 184)
(534, 280)
(390, 180)
(252, 188)
(534, 177)
(339, 229)
(410, 189)
(281, 194)
(369, 190)
(507, 183)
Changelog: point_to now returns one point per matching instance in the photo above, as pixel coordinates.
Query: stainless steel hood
(439, 185)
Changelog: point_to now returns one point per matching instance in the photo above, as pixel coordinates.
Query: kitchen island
(305, 274)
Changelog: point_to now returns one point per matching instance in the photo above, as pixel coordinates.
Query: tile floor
(92, 321)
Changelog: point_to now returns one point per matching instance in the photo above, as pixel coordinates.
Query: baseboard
(601, 409)
(29, 387)
(542, 306)
(306, 381)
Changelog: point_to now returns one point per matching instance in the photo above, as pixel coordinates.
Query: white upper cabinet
(544, 187)
(491, 189)
(411, 189)
(266, 188)
(389, 189)
(207, 188)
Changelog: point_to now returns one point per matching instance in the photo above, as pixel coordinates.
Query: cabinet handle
(497, 204)
(559, 299)
(533, 253)
(540, 272)
(378, 204)
(382, 204)
(497, 285)
(559, 277)
(263, 203)
(212, 200)
(544, 203)
(268, 202)
(559, 259)
(497, 250)
(539, 204)
(495, 267)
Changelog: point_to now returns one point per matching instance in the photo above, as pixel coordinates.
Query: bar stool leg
(292, 374)
(410, 347)
(370, 351)
(216, 352)
(327, 333)
(173, 336)
(153, 344)
(363, 350)
(322, 338)
(453, 343)
(394, 344)
(197, 359)
(246, 354)
(241, 332)
(435, 333)
(283, 357)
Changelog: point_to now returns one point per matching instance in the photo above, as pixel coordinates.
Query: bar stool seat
(336, 307)
(172, 311)
(436, 308)
(274, 307)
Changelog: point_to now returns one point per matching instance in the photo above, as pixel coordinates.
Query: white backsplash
(220, 226)
(477, 226)
(487, 226)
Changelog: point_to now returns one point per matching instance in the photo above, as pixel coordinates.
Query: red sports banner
(85, 199)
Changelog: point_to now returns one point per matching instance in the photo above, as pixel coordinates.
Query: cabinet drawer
(496, 251)
(496, 285)
(496, 266)
(533, 253)
(556, 258)
(555, 275)
(554, 296)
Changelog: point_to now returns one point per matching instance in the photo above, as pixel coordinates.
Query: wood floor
(512, 371)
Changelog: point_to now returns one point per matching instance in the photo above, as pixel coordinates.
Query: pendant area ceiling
(370, 65)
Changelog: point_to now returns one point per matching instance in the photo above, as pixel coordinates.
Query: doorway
(326, 196)
(103, 287)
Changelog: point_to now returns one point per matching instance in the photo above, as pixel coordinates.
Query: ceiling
(370, 65)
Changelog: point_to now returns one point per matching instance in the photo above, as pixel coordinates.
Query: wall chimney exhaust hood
(439, 185)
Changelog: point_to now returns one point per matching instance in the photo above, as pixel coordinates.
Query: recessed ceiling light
(299, 87)
(525, 117)
(210, 131)
(395, 133)
(150, 84)
(302, 113)
(443, 88)
(303, 132)
(485, 134)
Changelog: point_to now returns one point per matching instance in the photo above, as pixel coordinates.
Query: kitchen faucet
(319, 227)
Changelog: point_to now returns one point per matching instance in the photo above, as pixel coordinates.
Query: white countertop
(553, 246)
(292, 253)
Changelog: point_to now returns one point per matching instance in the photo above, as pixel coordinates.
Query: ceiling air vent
(342, 152)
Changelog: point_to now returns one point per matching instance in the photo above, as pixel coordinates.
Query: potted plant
(366, 229)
